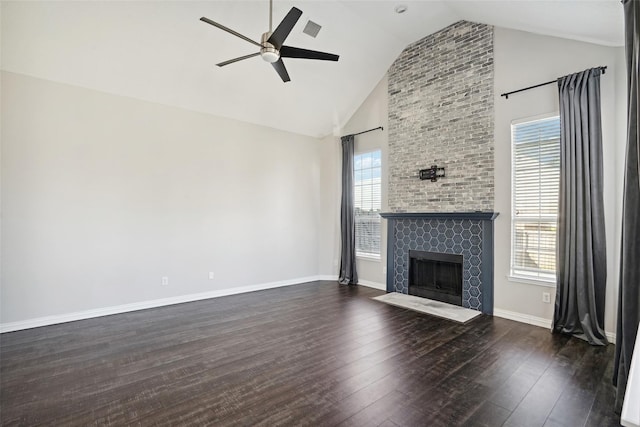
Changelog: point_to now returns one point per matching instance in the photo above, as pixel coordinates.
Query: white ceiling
(159, 51)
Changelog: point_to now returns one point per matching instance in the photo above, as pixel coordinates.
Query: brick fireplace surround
(469, 234)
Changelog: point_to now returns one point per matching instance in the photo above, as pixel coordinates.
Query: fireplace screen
(436, 276)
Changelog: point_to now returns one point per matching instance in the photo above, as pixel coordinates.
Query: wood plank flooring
(313, 354)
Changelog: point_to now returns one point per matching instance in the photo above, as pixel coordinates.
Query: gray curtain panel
(581, 254)
(348, 273)
(629, 291)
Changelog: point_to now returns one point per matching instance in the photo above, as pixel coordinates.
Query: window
(535, 182)
(367, 171)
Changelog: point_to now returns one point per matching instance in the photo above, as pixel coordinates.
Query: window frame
(369, 256)
(514, 275)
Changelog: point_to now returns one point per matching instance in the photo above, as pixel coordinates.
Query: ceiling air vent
(311, 29)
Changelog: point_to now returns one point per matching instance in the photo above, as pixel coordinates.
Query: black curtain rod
(506, 95)
(370, 130)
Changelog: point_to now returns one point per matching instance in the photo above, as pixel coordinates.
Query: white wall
(329, 239)
(521, 60)
(373, 113)
(103, 195)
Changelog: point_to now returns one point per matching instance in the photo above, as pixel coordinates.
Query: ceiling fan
(271, 45)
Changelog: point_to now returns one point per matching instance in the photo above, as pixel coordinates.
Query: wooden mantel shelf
(481, 215)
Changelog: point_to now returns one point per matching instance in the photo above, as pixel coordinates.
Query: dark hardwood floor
(313, 354)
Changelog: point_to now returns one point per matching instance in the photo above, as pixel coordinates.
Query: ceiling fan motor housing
(268, 52)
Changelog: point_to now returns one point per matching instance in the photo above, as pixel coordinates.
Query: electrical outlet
(165, 280)
(211, 275)
(546, 297)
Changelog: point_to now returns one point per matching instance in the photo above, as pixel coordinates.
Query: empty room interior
(357, 213)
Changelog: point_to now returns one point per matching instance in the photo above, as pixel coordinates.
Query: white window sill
(368, 257)
(531, 281)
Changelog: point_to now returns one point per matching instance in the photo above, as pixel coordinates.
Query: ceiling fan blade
(231, 61)
(284, 28)
(296, 52)
(282, 71)
(229, 30)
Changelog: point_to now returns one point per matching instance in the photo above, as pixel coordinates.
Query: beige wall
(103, 195)
(524, 59)
(329, 238)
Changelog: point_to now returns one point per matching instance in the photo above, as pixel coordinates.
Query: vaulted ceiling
(159, 51)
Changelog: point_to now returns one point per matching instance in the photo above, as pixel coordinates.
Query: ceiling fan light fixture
(268, 52)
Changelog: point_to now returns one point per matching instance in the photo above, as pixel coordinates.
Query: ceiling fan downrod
(268, 52)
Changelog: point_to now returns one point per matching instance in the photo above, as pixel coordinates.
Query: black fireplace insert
(436, 276)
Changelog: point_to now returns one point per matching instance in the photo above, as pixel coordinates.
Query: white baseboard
(333, 278)
(124, 308)
(537, 321)
(523, 318)
(374, 285)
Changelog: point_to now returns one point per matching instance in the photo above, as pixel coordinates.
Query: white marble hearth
(427, 306)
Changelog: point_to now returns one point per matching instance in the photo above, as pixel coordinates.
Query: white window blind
(535, 182)
(367, 170)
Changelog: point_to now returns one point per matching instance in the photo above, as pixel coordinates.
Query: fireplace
(468, 235)
(436, 276)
